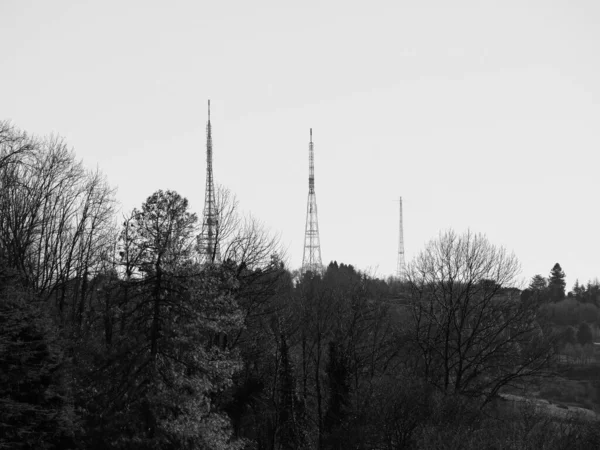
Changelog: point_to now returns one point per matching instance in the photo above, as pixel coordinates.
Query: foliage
(37, 411)
(588, 293)
(571, 312)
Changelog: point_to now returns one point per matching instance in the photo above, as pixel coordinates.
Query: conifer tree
(160, 384)
(538, 283)
(36, 408)
(584, 334)
(556, 283)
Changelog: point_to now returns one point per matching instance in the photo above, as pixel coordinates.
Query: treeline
(575, 315)
(114, 334)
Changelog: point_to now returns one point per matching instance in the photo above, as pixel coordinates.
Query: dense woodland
(115, 335)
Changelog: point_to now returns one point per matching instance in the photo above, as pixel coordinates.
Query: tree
(14, 144)
(538, 283)
(343, 339)
(592, 292)
(339, 397)
(471, 335)
(290, 430)
(578, 291)
(538, 288)
(55, 219)
(584, 334)
(160, 383)
(37, 407)
(242, 238)
(556, 283)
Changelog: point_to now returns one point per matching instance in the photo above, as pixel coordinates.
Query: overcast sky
(481, 115)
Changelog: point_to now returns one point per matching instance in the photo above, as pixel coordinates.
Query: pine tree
(556, 283)
(578, 291)
(161, 380)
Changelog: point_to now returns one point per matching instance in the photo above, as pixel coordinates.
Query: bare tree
(252, 244)
(228, 213)
(471, 332)
(243, 239)
(258, 256)
(55, 217)
(13, 143)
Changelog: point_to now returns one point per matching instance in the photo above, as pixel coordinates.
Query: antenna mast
(208, 241)
(401, 269)
(311, 258)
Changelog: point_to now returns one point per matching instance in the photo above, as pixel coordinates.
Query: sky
(482, 115)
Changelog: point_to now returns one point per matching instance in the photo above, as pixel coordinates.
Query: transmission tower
(401, 269)
(311, 258)
(208, 241)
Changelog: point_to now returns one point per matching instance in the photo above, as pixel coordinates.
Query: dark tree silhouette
(584, 334)
(556, 283)
(290, 430)
(339, 397)
(36, 409)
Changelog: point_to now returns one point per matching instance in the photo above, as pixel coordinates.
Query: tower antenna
(401, 269)
(209, 238)
(311, 257)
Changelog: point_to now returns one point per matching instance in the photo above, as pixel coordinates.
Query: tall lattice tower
(208, 241)
(311, 258)
(401, 269)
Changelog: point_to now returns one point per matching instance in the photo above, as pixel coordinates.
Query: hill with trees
(114, 336)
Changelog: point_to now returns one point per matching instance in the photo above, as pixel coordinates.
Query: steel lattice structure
(401, 269)
(208, 241)
(311, 257)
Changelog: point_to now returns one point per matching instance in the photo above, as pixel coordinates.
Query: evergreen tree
(578, 291)
(538, 283)
(584, 334)
(36, 409)
(592, 292)
(537, 289)
(160, 383)
(556, 283)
